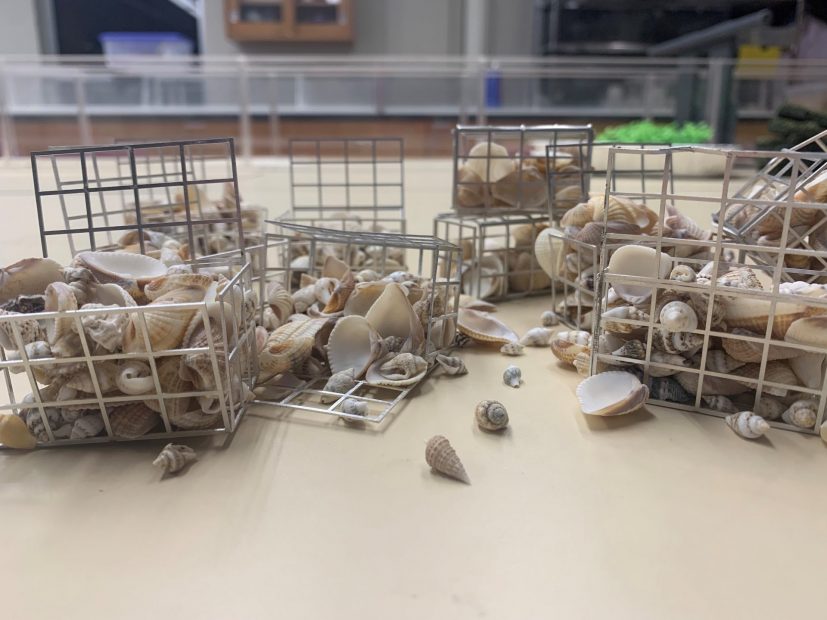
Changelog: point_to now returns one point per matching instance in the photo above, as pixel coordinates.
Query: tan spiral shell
(440, 455)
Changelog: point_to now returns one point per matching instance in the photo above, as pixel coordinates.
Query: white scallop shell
(611, 393)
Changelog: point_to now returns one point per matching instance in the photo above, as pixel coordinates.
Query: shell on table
(491, 415)
(512, 349)
(747, 424)
(441, 456)
(567, 344)
(513, 376)
(611, 393)
(174, 457)
(537, 337)
(484, 328)
(452, 365)
(340, 383)
(801, 413)
(397, 370)
(549, 319)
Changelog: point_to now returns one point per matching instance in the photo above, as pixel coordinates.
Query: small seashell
(675, 342)
(397, 369)
(440, 455)
(491, 415)
(640, 261)
(677, 316)
(482, 327)
(30, 331)
(353, 406)
(537, 337)
(549, 319)
(633, 349)
(135, 377)
(512, 348)
(747, 424)
(90, 425)
(720, 361)
(341, 383)
(682, 273)
(668, 389)
(802, 413)
(717, 402)
(174, 457)
(14, 433)
(567, 344)
(451, 365)
(513, 376)
(661, 357)
(613, 317)
(611, 393)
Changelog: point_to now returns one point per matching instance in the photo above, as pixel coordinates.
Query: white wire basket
(303, 389)
(113, 370)
(704, 325)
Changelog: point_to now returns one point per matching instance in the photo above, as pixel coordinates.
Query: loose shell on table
(174, 457)
(340, 382)
(512, 348)
(513, 376)
(746, 424)
(802, 413)
(353, 406)
(484, 328)
(611, 393)
(14, 433)
(491, 415)
(440, 455)
(451, 365)
(537, 337)
(567, 344)
(549, 319)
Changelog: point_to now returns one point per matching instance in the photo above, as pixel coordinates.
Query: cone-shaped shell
(482, 327)
(440, 455)
(173, 458)
(746, 424)
(611, 393)
(353, 345)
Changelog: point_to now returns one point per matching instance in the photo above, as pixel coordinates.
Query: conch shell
(746, 424)
(397, 370)
(174, 457)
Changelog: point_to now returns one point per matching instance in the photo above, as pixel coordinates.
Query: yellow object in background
(757, 59)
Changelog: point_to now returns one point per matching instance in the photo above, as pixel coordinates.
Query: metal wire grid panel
(507, 167)
(759, 222)
(573, 249)
(91, 196)
(355, 176)
(437, 260)
(759, 343)
(498, 259)
(198, 385)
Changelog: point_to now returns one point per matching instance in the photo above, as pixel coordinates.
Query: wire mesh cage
(112, 188)
(702, 324)
(536, 168)
(498, 259)
(120, 345)
(757, 221)
(353, 321)
(570, 250)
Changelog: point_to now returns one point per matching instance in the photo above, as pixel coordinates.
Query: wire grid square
(220, 359)
(498, 253)
(278, 255)
(514, 172)
(354, 175)
(636, 169)
(759, 343)
(91, 196)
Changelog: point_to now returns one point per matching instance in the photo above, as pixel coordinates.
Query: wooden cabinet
(289, 20)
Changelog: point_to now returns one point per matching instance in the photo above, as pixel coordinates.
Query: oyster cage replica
(120, 345)
(347, 342)
(705, 326)
(503, 180)
(569, 251)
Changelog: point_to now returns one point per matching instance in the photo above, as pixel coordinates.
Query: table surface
(657, 514)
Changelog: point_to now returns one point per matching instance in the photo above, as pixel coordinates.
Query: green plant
(651, 132)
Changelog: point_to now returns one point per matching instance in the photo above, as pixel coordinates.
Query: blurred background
(264, 71)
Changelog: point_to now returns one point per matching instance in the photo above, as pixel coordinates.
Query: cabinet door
(322, 20)
(258, 20)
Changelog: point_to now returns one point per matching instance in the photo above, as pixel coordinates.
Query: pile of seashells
(492, 178)
(118, 310)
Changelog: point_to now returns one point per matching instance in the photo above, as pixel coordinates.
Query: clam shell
(166, 326)
(354, 344)
(340, 294)
(489, 161)
(809, 368)
(625, 211)
(133, 420)
(466, 301)
(640, 261)
(811, 330)
(393, 315)
(578, 216)
(440, 455)
(120, 266)
(611, 393)
(525, 188)
(29, 276)
(753, 314)
(777, 371)
(547, 252)
(747, 351)
(334, 267)
(566, 345)
(364, 295)
(397, 370)
(482, 327)
(280, 301)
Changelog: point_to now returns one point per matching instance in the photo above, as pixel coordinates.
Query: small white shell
(611, 393)
(677, 316)
(513, 376)
(549, 319)
(491, 415)
(802, 413)
(340, 382)
(537, 337)
(746, 424)
(512, 348)
(134, 378)
(174, 457)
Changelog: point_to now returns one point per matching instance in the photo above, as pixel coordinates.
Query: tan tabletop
(657, 514)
